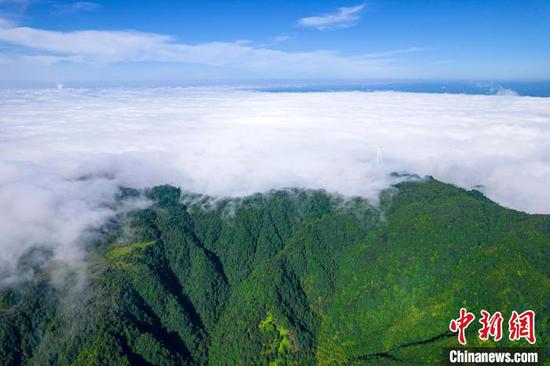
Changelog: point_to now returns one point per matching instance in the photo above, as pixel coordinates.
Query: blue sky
(152, 42)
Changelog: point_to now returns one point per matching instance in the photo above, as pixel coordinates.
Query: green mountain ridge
(293, 277)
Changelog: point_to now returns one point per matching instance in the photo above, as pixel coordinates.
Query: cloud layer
(229, 142)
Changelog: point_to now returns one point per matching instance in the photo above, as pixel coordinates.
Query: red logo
(522, 326)
(461, 324)
(519, 326)
(492, 326)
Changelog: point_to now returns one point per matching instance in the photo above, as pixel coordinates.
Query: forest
(289, 277)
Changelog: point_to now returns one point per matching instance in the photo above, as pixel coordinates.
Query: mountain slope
(290, 277)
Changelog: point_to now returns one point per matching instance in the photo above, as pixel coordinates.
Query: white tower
(379, 157)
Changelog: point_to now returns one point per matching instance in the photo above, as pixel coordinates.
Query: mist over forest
(222, 225)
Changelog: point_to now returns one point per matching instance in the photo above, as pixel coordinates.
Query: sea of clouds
(63, 153)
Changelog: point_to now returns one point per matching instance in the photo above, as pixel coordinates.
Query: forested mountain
(291, 277)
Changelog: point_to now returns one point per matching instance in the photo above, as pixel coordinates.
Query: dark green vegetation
(292, 277)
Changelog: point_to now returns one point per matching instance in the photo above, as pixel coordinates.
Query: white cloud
(122, 46)
(496, 88)
(235, 142)
(344, 17)
(281, 38)
(38, 59)
(13, 9)
(499, 90)
(104, 48)
(66, 8)
(397, 52)
(6, 23)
